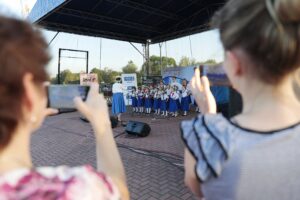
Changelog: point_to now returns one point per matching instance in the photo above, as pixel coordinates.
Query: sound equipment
(138, 128)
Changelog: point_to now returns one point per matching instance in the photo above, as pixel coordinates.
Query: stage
(154, 164)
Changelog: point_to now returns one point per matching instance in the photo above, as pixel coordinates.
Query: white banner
(88, 79)
(128, 81)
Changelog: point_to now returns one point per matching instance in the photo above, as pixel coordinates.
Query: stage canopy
(128, 20)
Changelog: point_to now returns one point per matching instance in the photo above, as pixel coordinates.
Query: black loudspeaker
(114, 122)
(138, 128)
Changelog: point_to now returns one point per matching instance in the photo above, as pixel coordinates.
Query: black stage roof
(127, 20)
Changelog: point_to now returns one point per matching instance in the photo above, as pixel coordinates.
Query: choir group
(164, 100)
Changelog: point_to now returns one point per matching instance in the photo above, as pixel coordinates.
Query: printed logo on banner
(88, 79)
(129, 78)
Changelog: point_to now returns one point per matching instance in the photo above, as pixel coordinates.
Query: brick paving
(66, 140)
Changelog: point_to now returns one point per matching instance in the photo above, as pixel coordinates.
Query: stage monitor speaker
(138, 128)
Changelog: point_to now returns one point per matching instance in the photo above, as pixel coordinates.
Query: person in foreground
(256, 154)
(23, 57)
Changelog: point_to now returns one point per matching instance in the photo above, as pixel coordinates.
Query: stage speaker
(138, 128)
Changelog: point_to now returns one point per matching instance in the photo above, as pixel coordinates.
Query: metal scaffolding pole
(160, 45)
(100, 53)
(147, 57)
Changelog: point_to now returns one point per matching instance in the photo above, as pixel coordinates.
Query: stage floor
(154, 164)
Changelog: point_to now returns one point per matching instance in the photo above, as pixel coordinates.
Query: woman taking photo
(23, 77)
(256, 154)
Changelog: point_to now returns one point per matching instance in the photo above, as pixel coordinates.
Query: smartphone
(62, 96)
(201, 68)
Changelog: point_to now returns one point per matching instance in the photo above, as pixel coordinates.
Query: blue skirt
(118, 104)
(185, 103)
(163, 105)
(134, 101)
(173, 106)
(148, 103)
(140, 102)
(155, 104)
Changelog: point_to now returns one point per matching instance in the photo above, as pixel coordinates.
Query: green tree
(186, 61)
(109, 75)
(155, 64)
(130, 68)
(53, 80)
(64, 74)
(72, 78)
(210, 62)
(99, 74)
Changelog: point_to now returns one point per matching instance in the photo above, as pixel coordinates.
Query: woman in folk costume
(163, 105)
(155, 101)
(168, 91)
(185, 100)
(134, 101)
(140, 98)
(159, 93)
(152, 92)
(174, 98)
(118, 104)
(148, 99)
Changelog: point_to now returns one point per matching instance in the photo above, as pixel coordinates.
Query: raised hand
(200, 88)
(94, 108)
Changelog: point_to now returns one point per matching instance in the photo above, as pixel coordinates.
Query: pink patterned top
(60, 183)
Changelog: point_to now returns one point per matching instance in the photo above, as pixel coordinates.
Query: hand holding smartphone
(62, 96)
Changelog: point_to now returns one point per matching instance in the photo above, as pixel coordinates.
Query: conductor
(118, 104)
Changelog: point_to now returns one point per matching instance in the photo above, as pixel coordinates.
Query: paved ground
(153, 164)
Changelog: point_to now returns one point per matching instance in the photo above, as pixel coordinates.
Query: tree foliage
(186, 61)
(130, 68)
(210, 62)
(155, 64)
(106, 75)
(67, 77)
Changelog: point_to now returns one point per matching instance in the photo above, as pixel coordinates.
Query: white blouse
(118, 88)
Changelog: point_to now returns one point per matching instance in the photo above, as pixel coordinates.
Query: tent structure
(140, 21)
(137, 21)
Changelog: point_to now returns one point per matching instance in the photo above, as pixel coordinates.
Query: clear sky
(116, 54)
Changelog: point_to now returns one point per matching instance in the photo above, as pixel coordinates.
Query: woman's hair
(268, 31)
(22, 50)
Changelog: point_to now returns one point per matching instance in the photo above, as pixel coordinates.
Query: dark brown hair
(22, 50)
(268, 31)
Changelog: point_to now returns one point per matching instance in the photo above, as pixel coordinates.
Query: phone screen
(201, 68)
(62, 96)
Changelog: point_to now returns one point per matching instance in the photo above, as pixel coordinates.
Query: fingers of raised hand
(51, 111)
(198, 79)
(81, 106)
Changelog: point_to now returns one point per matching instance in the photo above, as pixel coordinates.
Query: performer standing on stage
(134, 100)
(118, 104)
(163, 104)
(140, 96)
(185, 99)
(155, 101)
(174, 98)
(148, 99)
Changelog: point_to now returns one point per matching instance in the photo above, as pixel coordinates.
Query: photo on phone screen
(62, 96)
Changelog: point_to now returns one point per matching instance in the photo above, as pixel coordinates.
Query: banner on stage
(129, 81)
(215, 74)
(88, 79)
